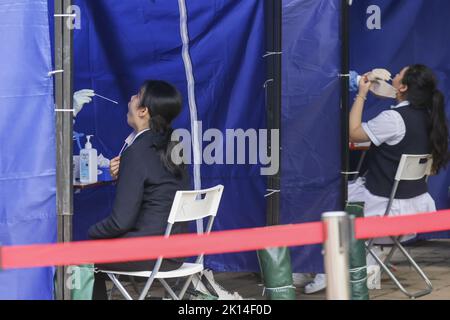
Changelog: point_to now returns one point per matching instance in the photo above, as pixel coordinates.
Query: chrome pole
(336, 254)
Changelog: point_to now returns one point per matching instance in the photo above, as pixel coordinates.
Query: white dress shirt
(130, 139)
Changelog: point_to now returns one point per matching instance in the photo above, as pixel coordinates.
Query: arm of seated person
(356, 132)
(358, 135)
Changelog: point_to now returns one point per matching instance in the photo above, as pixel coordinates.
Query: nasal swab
(106, 98)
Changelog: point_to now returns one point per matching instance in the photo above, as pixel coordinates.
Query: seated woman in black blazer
(147, 178)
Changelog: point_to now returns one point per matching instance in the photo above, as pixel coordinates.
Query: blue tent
(27, 142)
(394, 34)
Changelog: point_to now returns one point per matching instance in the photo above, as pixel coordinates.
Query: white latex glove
(379, 74)
(102, 161)
(80, 98)
(380, 87)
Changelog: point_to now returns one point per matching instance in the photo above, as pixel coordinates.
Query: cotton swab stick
(106, 98)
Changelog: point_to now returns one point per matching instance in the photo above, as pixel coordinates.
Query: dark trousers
(99, 291)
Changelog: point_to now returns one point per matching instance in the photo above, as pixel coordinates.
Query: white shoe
(373, 277)
(318, 284)
(382, 254)
(300, 280)
(373, 268)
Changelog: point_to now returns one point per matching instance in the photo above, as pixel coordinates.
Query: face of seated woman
(137, 117)
(397, 84)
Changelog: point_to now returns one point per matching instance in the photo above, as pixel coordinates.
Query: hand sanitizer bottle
(88, 163)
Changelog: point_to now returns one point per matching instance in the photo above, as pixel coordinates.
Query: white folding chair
(187, 206)
(411, 167)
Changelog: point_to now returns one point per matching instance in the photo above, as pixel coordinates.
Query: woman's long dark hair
(164, 103)
(422, 92)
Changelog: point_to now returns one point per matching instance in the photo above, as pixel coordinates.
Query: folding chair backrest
(414, 167)
(195, 205)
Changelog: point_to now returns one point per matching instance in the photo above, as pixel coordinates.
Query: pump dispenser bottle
(88, 163)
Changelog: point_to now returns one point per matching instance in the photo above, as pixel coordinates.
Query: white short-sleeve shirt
(388, 127)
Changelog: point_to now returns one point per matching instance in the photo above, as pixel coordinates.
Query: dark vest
(383, 160)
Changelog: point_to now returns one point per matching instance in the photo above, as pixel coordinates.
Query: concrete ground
(432, 256)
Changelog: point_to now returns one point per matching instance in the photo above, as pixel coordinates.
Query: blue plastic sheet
(119, 46)
(311, 156)
(27, 142)
(410, 32)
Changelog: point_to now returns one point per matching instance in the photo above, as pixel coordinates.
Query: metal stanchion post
(336, 248)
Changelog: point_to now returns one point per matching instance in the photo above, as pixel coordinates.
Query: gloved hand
(80, 98)
(103, 162)
(379, 74)
(380, 87)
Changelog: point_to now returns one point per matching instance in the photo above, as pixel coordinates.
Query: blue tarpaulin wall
(121, 45)
(311, 154)
(27, 142)
(410, 32)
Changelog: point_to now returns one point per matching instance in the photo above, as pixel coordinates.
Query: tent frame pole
(273, 22)
(64, 138)
(345, 70)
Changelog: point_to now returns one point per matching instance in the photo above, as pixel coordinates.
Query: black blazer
(144, 195)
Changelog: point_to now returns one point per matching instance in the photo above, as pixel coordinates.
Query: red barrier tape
(135, 249)
(377, 227)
